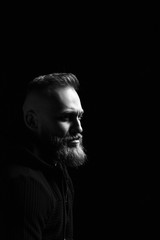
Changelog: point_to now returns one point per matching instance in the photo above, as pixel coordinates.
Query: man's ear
(31, 120)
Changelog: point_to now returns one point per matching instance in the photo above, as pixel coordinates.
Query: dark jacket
(36, 198)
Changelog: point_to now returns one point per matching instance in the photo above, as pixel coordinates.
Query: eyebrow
(71, 111)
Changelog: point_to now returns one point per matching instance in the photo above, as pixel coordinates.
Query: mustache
(58, 141)
(72, 138)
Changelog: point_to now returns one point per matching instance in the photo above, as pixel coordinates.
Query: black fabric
(36, 198)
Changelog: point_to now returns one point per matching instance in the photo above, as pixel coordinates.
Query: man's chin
(71, 152)
(73, 156)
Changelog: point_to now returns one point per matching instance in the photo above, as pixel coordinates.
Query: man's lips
(74, 140)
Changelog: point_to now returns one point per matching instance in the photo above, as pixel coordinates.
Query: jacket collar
(22, 155)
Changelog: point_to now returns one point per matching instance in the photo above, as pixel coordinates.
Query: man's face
(60, 125)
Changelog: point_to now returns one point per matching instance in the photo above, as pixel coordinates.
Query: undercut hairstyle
(53, 80)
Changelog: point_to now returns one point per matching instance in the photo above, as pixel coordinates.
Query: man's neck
(44, 154)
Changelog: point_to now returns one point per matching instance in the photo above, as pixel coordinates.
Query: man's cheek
(62, 129)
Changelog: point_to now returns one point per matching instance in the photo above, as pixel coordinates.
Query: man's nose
(77, 127)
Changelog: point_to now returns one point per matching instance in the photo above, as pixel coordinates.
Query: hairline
(53, 81)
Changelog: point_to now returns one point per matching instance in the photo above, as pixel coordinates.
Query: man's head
(52, 112)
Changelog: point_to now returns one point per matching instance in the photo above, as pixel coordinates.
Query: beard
(73, 155)
(62, 149)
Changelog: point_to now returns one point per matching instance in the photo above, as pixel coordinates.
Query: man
(38, 192)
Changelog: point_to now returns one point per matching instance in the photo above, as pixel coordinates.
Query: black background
(114, 53)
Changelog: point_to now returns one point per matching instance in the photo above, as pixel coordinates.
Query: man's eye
(80, 117)
(70, 117)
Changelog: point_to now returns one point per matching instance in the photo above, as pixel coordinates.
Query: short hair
(53, 80)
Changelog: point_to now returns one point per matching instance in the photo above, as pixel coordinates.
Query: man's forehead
(66, 99)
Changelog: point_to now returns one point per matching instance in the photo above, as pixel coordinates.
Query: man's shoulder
(29, 180)
(15, 171)
(20, 165)
(17, 163)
